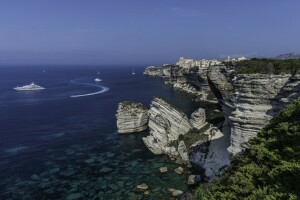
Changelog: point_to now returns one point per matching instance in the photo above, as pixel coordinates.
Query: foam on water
(16, 150)
(103, 89)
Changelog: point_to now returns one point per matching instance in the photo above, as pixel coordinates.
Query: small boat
(29, 87)
(133, 73)
(98, 79)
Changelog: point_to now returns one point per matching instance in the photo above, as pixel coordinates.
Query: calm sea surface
(53, 146)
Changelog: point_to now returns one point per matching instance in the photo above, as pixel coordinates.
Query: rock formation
(186, 141)
(192, 81)
(249, 101)
(153, 71)
(131, 117)
(166, 123)
(198, 118)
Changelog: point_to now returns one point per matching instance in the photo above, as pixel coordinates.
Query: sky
(143, 32)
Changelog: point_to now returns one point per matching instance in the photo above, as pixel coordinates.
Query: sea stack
(131, 117)
(166, 123)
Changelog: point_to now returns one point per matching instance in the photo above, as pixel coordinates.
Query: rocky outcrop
(166, 124)
(198, 118)
(153, 71)
(249, 101)
(131, 117)
(192, 81)
(186, 141)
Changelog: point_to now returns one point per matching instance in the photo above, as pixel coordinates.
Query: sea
(62, 142)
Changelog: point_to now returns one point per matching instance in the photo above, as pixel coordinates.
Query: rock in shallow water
(131, 117)
(175, 192)
(179, 170)
(194, 179)
(142, 186)
(163, 169)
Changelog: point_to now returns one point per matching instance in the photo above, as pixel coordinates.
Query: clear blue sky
(144, 31)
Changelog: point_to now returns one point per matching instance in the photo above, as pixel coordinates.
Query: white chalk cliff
(131, 117)
(249, 101)
(166, 123)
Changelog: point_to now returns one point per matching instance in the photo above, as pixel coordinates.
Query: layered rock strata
(153, 71)
(191, 82)
(249, 101)
(183, 139)
(166, 124)
(131, 117)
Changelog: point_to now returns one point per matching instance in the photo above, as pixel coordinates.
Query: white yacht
(31, 86)
(98, 79)
(133, 73)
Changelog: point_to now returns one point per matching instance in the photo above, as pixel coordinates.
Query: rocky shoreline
(248, 102)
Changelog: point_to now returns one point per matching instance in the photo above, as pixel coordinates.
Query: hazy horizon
(74, 32)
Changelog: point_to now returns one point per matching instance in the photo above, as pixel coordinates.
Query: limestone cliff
(191, 81)
(249, 101)
(131, 117)
(153, 71)
(182, 139)
(166, 123)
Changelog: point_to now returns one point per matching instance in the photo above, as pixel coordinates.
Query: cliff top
(132, 104)
(265, 66)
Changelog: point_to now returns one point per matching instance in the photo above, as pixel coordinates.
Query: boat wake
(103, 89)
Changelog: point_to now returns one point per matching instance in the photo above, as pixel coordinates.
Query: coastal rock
(177, 193)
(183, 152)
(163, 169)
(172, 133)
(194, 179)
(198, 118)
(166, 123)
(142, 186)
(131, 117)
(249, 101)
(153, 71)
(179, 170)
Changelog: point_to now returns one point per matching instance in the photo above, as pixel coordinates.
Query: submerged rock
(163, 169)
(35, 177)
(175, 192)
(179, 170)
(131, 117)
(105, 170)
(142, 186)
(194, 179)
(74, 196)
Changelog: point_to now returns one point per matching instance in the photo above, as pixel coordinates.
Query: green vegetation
(195, 135)
(265, 66)
(269, 169)
(126, 105)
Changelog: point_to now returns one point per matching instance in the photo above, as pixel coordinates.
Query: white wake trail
(103, 89)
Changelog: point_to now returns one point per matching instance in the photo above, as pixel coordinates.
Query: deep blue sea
(53, 146)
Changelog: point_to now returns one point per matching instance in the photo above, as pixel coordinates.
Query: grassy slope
(270, 169)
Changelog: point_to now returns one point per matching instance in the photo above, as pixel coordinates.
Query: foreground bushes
(269, 169)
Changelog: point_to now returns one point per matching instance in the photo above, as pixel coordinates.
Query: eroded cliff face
(184, 140)
(190, 81)
(166, 123)
(153, 71)
(131, 117)
(249, 101)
